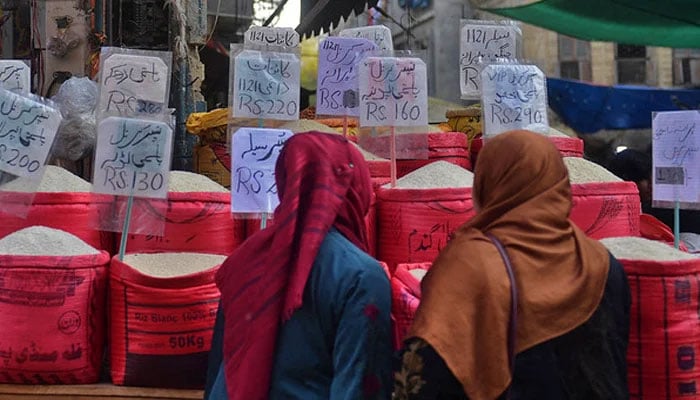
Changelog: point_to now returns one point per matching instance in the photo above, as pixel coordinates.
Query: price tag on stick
(513, 97)
(271, 38)
(380, 35)
(254, 153)
(15, 76)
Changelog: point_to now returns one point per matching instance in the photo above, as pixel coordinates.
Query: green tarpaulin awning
(665, 23)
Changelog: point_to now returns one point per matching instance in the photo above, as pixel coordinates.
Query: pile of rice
(44, 241)
(369, 156)
(636, 248)
(54, 180)
(183, 181)
(418, 273)
(436, 175)
(584, 171)
(306, 125)
(169, 265)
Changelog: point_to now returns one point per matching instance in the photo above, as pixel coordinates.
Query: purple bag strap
(512, 324)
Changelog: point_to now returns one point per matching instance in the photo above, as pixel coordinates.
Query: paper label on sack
(378, 34)
(254, 153)
(271, 38)
(27, 132)
(480, 44)
(266, 85)
(15, 76)
(133, 85)
(132, 157)
(338, 81)
(393, 92)
(676, 159)
(513, 97)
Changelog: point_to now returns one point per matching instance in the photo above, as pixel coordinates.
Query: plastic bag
(77, 96)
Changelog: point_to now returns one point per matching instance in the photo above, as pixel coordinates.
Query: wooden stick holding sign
(338, 79)
(393, 92)
(676, 163)
(132, 159)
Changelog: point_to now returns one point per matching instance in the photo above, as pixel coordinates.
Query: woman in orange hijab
(569, 326)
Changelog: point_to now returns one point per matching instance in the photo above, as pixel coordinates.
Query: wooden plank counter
(100, 391)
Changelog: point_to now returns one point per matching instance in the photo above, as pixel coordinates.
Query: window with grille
(574, 58)
(631, 64)
(686, 67)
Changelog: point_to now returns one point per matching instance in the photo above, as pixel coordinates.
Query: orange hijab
(522, 188)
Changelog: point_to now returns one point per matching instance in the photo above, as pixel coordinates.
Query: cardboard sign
(15, 76)
(480, 44)
(513, 97)
(27, 132)
(338, 83)
(133, 85)
(393, 92)
(676, 159)
(379, 34)
(132, 157)
(271, 38)
(253, 158)
(266, 85)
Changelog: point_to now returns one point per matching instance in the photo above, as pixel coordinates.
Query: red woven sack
(380, 172)
(653, 229)
(664, 329)
(161, 328)
(194, 222)
(606, 209)
(415, 224)
(405, 298)
(53, 318)
(446, 146)
(67, 211)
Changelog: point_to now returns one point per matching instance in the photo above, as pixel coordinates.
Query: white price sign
(676, 159)
(27, 132)
(479, 44)
(513, 97)
(133, 85)
(263, 37)
(379, 34)
(15, 76)
(266, 85)
(393, 92)
(132, 157)
(254, 154)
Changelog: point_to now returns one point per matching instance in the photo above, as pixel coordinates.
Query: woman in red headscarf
(520, 304)
(305, 310)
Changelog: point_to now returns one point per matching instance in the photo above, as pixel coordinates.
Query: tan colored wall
(603, 63)
(662, 61)
(540, 46)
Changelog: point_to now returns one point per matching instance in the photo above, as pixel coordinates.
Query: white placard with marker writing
(133, 85)
(15, 76)
(132, 157)
(676, 159)
(482, 42)
(338, 81)
(266, 85)
(514, 96)
(379, 34)
(254, 153)
(27, 132)
(271, 38)
(393, 92)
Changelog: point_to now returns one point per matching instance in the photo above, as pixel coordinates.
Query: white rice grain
(436, 175)
(307, 125)
(584, 171)
(183, 181)
(418, 273)
(636, 248)
(44, 241)
(54, 180)
(169, 265)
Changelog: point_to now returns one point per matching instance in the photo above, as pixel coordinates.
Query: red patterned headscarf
(322, 182)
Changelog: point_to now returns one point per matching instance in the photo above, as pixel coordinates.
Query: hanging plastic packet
(28, 126)
(481, 43)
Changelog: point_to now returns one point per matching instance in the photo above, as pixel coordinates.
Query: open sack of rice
(52, 308)
(163, 308)
(603, 204)
(418, 216)
(664, 324)
(197, 218)
(568, 146)
(62, 201)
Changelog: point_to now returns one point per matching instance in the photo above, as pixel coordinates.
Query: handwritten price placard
(393, 92)
(378, 34)
(15, 76)
(27, 131)
(479, 44)
(676, 159)
(253, 157)
(133, 85)
(132, 157)
(263, 37)
(513, 97)
(338, 83)
(266, 85)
